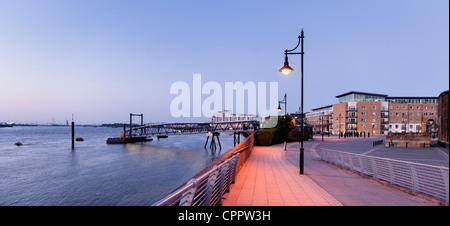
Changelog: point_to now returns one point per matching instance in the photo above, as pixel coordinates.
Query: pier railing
(208, 186)
(421, 178)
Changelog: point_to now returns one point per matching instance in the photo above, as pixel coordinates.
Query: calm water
(45, 170)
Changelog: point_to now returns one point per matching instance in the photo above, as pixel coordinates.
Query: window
(363, 119)
(374, 113)
(363, 107)
(363, 113)
(374, 120)
(404, 107)
(374, 107)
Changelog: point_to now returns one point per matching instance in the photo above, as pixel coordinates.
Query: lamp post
(284, 101)
(286, 69)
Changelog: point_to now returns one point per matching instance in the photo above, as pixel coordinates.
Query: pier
(146, 132)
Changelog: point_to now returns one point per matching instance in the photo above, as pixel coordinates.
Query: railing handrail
(203, 188)
(388, 159)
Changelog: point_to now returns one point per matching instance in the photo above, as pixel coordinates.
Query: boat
(120, 140)
(5, 125)
(115, 140)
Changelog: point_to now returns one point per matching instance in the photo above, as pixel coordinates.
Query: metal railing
(421, 178)
(208, 188)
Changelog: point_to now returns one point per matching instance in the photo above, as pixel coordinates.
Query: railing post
(361, 164)
(220, 184)
(374, 168)
(391, 172)
(350, 161)
(342, 159)
(233, 170)
(445, 177)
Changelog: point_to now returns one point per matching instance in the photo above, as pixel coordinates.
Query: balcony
(350, 109)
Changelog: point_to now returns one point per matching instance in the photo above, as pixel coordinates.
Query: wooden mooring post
(212, 145)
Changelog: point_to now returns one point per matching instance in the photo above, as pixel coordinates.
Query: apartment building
(320, 119)
(412, 114)
(377, 114)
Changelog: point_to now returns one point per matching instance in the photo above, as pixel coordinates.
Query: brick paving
(269, 179)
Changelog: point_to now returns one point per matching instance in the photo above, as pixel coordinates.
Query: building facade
(377, 114)
(443, 124)
(229, 116)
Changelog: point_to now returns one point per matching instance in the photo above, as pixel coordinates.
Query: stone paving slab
(269, 179)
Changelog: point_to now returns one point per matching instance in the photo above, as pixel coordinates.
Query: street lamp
(284, 101)
(286, 69)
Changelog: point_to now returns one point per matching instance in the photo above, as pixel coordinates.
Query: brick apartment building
(443, 117)
(377, 114)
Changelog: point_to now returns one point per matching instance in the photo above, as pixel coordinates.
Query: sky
(104, 59)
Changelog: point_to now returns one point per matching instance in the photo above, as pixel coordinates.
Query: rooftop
(364, 93)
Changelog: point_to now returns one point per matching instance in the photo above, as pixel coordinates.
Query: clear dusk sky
(103, 59)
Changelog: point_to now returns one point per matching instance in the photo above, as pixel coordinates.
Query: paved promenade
(270, 177)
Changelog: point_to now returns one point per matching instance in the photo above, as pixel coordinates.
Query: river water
(45, 171)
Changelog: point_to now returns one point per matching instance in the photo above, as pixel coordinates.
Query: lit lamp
(286, 69)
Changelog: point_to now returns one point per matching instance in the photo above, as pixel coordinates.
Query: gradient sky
(103, 59)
